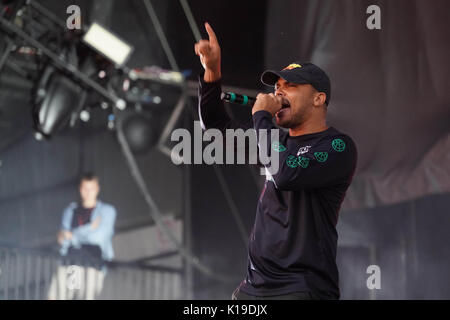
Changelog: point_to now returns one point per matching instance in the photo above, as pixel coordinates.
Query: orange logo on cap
(292, 66)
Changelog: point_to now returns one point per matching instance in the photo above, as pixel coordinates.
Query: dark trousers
(239, 295)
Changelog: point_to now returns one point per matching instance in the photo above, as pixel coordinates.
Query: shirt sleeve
(213, 115)
(330, 161)
(105, 230)
(211, 108)
(108, 219)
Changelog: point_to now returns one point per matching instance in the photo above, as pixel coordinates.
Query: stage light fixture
(56, 98)
(108, 44)
(154, 88)
(139, 132)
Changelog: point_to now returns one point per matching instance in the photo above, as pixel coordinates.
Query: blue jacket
(102, 236)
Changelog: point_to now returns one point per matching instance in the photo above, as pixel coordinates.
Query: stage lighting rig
(152, 93)
(79, 70)
(154, 87)
(108, 44)
(66, 65)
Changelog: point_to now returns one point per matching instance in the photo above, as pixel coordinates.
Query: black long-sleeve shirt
(293, 243)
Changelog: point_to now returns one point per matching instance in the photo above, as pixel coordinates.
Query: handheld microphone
(238, 98)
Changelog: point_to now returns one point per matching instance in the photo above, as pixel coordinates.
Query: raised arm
(212, 111)
(210, 55)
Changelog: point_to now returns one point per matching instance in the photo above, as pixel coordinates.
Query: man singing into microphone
(292, 247)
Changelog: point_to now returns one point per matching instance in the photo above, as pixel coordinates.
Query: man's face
(89, 190)
(298, 103)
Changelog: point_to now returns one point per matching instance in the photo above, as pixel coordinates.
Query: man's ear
(320, 99)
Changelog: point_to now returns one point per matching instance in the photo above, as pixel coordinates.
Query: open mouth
(285, 104)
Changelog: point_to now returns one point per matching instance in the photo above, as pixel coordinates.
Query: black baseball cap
(301, 73)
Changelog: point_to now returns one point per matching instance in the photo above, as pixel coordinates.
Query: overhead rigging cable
(191, 20)
(159, 31)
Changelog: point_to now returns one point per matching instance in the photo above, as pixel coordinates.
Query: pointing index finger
(211, 34)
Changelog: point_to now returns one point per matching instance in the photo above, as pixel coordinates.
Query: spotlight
(56, 98)
(85, 116)
(111, 122)
(108, 44)
(121, 104)
(139, 132)
(38, 136)
(153, 87)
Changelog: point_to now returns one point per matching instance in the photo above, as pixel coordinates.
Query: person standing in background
(86, 234)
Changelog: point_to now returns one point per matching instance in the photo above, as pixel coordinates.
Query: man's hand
(268, 102)
(95, 223)
(209, 53)
(64, 235)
